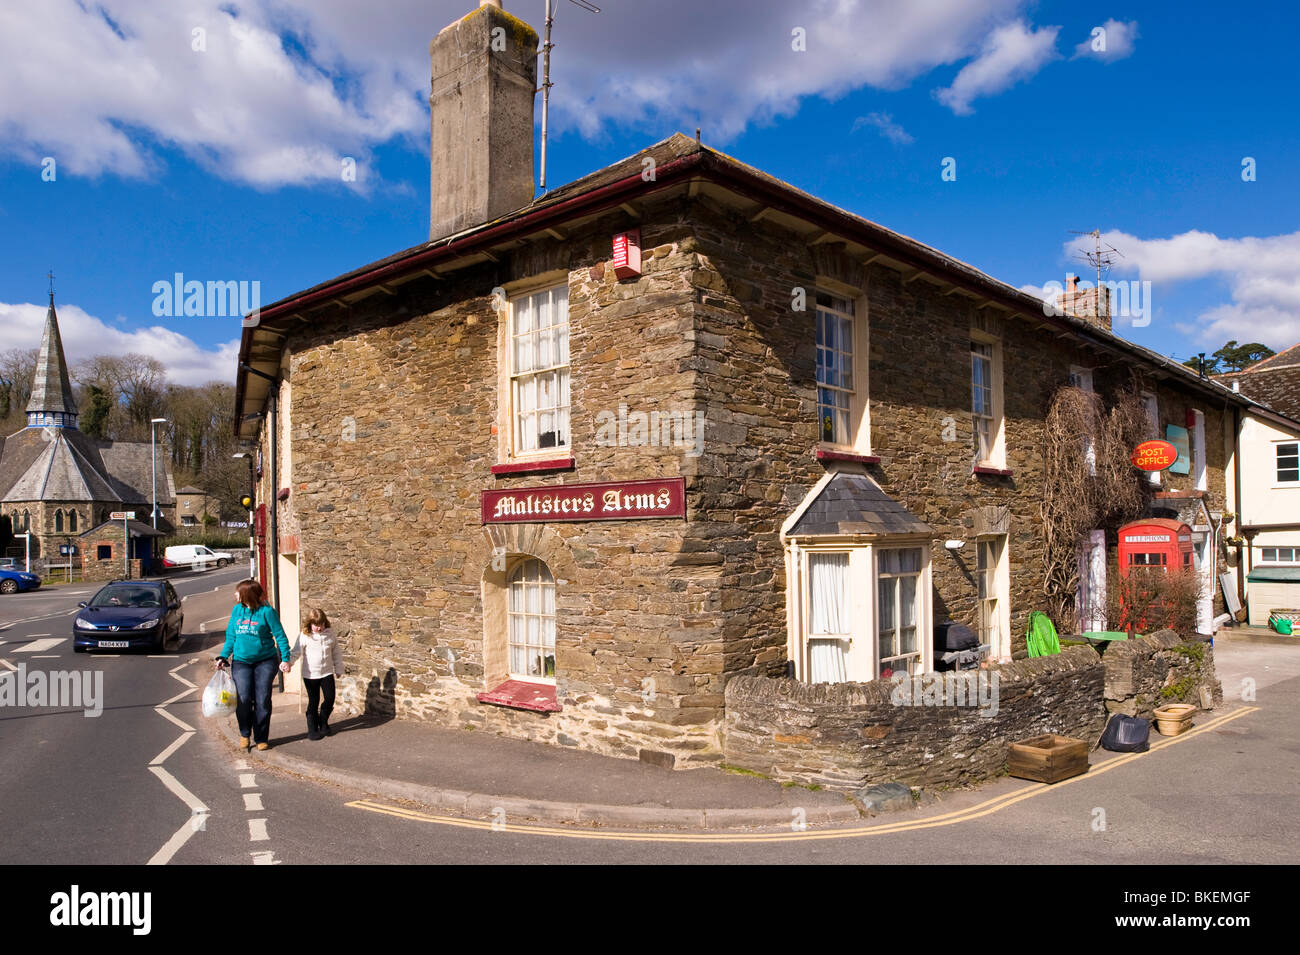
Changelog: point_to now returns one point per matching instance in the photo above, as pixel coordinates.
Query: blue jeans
(253, 683)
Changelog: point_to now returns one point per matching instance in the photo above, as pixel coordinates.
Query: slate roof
(51, 389)
(855, 504)
(63, 464)
(109, 528)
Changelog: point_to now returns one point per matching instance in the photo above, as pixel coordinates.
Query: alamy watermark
(62, 689)
(212, 299)
(126, 909)
(973, 688)
(674, 428)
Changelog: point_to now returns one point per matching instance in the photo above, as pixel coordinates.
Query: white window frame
(518, 618)
(857, 438)
(922, 635)
(1152, 404)
(862, 663)
(1277, 468)
(997, 453)
(993, 610)
(516, 382)
(1276, 560)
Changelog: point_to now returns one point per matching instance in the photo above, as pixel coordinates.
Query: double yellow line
(988, 807)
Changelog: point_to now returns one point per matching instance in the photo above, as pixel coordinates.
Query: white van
(196, 556)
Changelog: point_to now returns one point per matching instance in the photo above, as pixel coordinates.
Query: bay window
(898, 580)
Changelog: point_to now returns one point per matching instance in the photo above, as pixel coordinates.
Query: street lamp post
(153, 446)
(28, 538)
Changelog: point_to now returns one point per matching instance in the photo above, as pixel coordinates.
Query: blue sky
(207, 138)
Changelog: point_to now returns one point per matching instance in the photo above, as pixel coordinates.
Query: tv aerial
(546, 73)
(1101, 257)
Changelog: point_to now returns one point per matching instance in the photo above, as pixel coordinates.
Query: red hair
(251, 594)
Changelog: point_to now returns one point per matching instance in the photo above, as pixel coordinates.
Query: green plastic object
(1040, 638)
(1282, 625)
(1104, 635)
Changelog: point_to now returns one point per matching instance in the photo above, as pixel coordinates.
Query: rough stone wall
(1154, 671)
(847, 735)
(386, 503)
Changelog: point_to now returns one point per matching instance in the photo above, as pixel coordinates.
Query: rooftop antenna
(546, 71)
(51, 275)
(1101, 257)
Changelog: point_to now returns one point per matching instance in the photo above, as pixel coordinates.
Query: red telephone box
(1154, 542)
(1150, 545)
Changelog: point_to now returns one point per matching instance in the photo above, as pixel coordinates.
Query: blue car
(129, 615)
(12, 581)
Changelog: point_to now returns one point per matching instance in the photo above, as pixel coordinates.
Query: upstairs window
(539, 371)
(986, 403)
(1288, 463)
(835, 379)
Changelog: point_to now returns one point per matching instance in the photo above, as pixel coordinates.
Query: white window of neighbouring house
(1279, 555)
(992, 595)
(986, 402)
(898, 612)
(836, 381)
(829, 624)
(1152, 405)
(1198, 450)
(539, 371)
(1288, 462)
(531, 620)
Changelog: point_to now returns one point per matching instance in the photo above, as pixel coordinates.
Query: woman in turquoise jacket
(259, 647)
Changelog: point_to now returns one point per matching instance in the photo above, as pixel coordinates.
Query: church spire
(51, 403)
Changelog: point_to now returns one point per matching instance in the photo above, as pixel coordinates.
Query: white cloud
(1262, 274)
(1048, 295)
(284, 91)
(888, 128)
(1011, 53)
(1115, 41)
(84, 335)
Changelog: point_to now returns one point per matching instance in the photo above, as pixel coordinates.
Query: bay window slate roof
(854, 504)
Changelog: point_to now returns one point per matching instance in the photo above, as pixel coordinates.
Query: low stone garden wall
(1157, 670)
(923, 734)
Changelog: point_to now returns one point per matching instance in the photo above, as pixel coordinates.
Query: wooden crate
(1048, 759)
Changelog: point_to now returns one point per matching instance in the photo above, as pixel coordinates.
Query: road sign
(122, 516)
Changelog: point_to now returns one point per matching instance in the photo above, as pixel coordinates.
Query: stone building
(570, 466)
(56, 482)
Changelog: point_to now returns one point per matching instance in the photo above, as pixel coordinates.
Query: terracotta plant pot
(1174, 718)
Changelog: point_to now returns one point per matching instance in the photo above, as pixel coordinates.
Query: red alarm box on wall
(627, 254)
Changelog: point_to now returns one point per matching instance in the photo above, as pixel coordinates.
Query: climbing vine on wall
(1089, 483)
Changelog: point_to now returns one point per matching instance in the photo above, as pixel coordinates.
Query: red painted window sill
(995, 472)
(534, 467)
(522, 695)
(823, 455)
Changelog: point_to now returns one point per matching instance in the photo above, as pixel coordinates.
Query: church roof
(51, 389)
(63, 464)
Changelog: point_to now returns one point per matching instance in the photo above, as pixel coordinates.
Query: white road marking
(170, 847)
(7, 664)
(246, 781)
(179, 696)
(176, 744)
(160, 656)
(257, 831)
(253, 802)
(40, 646)
(38, 634)
(179, 791)
(241, 764)
(264, 858)
(46, 656)
(167, 715)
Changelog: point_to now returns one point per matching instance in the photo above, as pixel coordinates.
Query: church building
(58, 483)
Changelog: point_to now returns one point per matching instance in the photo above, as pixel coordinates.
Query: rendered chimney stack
(484, 70)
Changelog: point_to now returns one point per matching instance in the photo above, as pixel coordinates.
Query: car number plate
(113, 644)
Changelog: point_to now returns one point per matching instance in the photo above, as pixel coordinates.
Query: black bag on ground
(1126, 734)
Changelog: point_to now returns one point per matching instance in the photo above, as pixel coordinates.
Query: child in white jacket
(322, 661)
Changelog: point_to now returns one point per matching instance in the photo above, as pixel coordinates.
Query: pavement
(476, 775)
